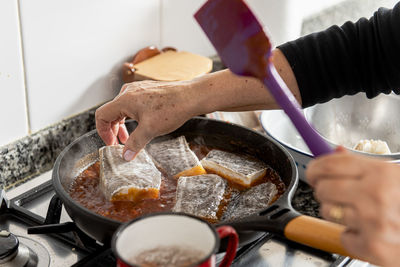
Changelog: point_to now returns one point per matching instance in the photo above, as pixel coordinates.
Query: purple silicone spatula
(245, 49)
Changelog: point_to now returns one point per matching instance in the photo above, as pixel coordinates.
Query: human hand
(158, 107)
(363, 194)
(161, 107)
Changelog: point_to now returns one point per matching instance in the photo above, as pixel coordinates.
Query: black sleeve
(356, 57)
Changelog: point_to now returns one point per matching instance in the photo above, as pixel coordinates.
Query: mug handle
(233, 241)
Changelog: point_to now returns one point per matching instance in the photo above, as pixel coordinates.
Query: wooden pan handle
(316, 233)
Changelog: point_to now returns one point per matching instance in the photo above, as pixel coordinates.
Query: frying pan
(279, 218)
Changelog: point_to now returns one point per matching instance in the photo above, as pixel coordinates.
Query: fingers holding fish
(110, 123)
(135, 142)
(158, 107)
(123, 134)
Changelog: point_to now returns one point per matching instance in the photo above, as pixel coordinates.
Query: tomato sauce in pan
(86, 191)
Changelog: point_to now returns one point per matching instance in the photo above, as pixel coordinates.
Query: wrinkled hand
(368, 190)
(158, 107)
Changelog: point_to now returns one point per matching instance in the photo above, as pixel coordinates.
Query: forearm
(225, 91)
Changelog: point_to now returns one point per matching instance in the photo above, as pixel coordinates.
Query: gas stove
(38, 232)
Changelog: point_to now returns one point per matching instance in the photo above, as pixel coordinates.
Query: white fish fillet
(200, 195)
(128, 181)
(175, 157)
(240, 169)
(251, 201)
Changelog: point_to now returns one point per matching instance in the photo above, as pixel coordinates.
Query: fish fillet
(175, 157)
(251, 201)
(240, 169)
(128, 181)
(200, 195)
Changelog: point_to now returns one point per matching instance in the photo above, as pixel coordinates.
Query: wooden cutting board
(171, 66)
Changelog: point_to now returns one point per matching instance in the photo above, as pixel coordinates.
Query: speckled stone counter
(36, 153)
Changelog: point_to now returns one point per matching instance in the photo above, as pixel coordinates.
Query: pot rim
(395, 156)
(168, 213)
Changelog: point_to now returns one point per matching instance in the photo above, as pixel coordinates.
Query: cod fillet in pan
(200, 195)
(251, 201)
(128, 181)
(175, 157)
(243, 170)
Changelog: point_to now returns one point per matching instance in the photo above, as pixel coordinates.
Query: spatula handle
(284, 97)
(316, 233)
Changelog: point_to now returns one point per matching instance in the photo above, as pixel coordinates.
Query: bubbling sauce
(86, 191)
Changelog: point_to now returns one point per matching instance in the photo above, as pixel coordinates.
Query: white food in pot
(373, 146)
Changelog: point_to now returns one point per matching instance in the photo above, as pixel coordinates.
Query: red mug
(172, 237)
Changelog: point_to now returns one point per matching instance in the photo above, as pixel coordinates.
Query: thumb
(136, 141)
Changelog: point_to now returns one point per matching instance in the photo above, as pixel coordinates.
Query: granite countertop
(35, 154)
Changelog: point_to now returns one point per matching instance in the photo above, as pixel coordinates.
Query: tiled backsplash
(59, 58)
(13, 117)
(73, 51)
(180, 30)
(282, 19)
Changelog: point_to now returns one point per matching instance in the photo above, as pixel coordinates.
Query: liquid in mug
(168, 256)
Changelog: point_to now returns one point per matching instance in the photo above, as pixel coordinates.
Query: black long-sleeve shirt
(356, 57)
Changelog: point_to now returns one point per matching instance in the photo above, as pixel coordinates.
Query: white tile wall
(13, 118)
(282, 19)
(309, 7)
(179, 29)
(74, 49)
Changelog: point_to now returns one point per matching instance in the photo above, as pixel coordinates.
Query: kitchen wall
(13, 119)
(282, 18)
(59, 58)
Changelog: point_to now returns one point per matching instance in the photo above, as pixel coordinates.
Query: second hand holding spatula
(245, 49)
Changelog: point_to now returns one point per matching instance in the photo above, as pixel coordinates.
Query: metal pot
(347, 120)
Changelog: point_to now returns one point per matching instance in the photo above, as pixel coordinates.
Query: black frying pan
(279, 218)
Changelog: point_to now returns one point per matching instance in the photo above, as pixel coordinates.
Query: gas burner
(19, 251)
(8, 246)
(38, 252)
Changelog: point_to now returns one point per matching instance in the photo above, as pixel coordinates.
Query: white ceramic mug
(162, 230)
